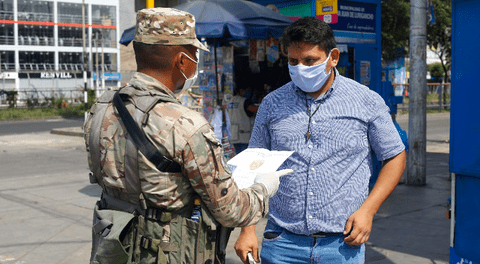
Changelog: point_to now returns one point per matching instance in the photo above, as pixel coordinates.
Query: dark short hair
(153, 55)
(310, 30)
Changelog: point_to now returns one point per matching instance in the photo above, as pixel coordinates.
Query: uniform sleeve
(210, 177)
(382, 134)
(260, 137)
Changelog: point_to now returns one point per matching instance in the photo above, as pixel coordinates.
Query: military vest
(125, 228)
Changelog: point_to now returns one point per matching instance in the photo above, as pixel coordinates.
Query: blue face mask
(309, 78)
(247, 95)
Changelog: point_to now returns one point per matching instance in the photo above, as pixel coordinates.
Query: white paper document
(249, 163)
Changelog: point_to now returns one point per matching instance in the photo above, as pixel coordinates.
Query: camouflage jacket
(191, 142)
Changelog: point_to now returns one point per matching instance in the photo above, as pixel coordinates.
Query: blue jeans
(286, 247)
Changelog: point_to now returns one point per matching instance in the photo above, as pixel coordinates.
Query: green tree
(395, 27)
(438, 34)
(436, 70)
(396, 30)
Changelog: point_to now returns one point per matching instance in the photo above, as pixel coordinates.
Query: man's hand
(247, 242)
(359, 225)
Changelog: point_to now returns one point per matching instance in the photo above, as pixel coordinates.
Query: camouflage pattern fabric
(166, 26)
(190, 141)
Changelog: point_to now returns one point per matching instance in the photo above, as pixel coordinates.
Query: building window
(34, 10)
(6, 9)
(69, 17)
(109, 62)
(103, 15)
(7, 60)
(71, 13)
(71, 36)
(103, 25)
(70, 61)
(6, 34)
(35, 35)
(36, 61)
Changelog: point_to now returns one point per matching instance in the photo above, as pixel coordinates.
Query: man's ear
(334, 57)
(180, 61)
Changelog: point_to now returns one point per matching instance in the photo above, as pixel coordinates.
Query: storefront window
(6, 34)
(6, 9)
(34, 10)
(35, 35)
(109, 62)
(7, 60)
(70, 61)
(36, 61)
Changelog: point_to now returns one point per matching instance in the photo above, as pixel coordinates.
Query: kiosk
(464, 136)
(357, 28)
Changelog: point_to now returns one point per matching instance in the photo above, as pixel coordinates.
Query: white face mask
(190, 81)
(309, 78)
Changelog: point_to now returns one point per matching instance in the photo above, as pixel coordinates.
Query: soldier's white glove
(271, 180)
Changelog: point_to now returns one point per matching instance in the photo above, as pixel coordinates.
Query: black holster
(222, 236)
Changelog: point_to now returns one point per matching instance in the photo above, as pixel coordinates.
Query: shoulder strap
(140, 140)
(95, 128)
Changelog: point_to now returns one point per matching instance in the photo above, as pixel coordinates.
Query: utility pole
(417, 110)
(85, 93)
(103, 62)
(97, 74)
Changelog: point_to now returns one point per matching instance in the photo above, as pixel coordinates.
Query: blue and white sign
(109, 76)
(356, 23)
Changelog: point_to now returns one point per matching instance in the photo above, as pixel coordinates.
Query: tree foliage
(395, 27)
(396, 30)
(436, 70)
(438, 34)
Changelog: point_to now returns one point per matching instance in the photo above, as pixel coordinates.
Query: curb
(76, 132)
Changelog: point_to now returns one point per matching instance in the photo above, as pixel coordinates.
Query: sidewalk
(410, 227)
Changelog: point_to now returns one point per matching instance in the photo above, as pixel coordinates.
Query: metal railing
(6, 15)
(29, 16)
(438, 96)
(42, 97)
(7, 40)
(7, 66)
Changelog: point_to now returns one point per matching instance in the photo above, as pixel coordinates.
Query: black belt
(324, 234)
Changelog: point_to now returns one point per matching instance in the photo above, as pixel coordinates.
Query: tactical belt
(108, 202)
(154, 244)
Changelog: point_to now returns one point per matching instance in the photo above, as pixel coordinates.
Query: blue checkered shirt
(331, 169)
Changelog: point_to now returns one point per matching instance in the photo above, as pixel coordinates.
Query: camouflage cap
(166, 26)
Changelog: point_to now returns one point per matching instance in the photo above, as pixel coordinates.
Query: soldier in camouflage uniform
(166, 46)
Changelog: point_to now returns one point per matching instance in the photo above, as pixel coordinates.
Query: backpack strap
(94, 142)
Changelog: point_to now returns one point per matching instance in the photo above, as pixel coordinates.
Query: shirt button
(310, 146)
(310, 216)
(311, 193)
(313, 169)
(313, 122)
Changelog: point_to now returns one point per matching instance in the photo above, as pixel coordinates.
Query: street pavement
(46, 217)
